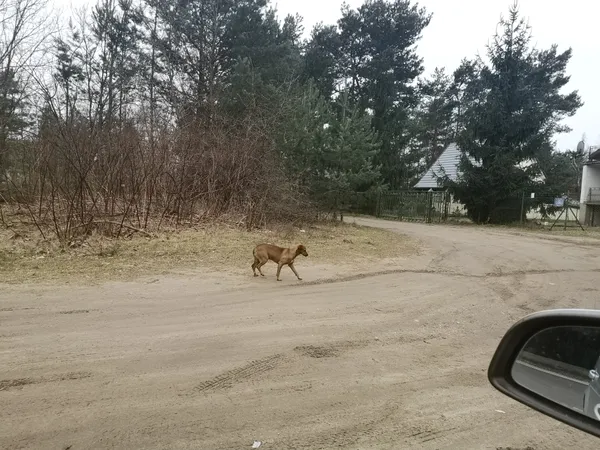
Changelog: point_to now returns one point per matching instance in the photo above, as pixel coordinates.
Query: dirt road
(390, 361)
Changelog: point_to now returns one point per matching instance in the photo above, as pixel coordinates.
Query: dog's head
(301, 250)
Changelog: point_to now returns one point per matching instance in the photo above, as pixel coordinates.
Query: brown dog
(282, 256)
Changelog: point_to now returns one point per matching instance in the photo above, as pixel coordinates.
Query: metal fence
(523, 207)
(439, 206)
(594, 195)
(417, 206)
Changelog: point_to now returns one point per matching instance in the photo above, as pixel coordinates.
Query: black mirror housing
(515, 339)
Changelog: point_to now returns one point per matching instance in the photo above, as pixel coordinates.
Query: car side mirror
(550, 361)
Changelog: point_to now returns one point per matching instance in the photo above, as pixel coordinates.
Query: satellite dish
(581, 147)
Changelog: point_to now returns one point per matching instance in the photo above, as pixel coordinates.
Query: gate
(416, 206)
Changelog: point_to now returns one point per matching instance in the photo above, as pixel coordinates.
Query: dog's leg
(256, 265)
(259, 265)
(294, 270)
(279, 266)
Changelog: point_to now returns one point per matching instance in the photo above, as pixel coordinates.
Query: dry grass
(572, 231)
(530, 227)
(27, 258)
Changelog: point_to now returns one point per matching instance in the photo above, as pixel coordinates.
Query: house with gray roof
(447, 164)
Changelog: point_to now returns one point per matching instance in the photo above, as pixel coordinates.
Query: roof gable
(446, 164)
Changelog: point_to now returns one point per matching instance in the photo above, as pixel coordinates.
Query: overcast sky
(462, 28)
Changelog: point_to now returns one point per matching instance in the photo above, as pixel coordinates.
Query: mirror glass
(562, 364)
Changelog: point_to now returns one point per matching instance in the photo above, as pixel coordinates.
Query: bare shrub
(74, 180)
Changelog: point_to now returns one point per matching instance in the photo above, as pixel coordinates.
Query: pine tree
(330, 150)
(69, 72)
(515, 108)
(323, 52)
(268, 61)
(434, 119)
(371, 54)
(348, 165)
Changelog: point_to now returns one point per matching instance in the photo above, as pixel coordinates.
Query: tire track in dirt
(342, 437)
(428, 435)
(510, 291)
(435, 437)
(256, 369)
(446, 433)
(77, 311)
(390, 416)
(19, 383)
(240, 374)
(259, 367)
(316, 351)
(437, 261)
(332, 349)
(515, 448)
(12, 309)
(488, 275)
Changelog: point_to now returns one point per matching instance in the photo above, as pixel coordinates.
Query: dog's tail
(254, 261)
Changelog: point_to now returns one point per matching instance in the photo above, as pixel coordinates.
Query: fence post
(522, 207)
(446, 205)
(429, 205)
(566, 211)
(378, 204)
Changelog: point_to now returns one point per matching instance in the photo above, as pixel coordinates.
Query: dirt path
(391, 361)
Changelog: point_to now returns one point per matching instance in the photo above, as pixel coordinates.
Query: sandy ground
(394, 360)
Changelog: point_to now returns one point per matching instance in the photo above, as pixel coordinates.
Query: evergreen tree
(114, 37)
(202, 43)
(434, 120)
(330, 151)
(323, 51)
(371, 54)
(268, 61)
(347, 164)
(69, 72)
(515, 108)
(562, 176)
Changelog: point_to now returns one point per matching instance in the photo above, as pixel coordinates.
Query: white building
(448, 165)
(589, 203)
